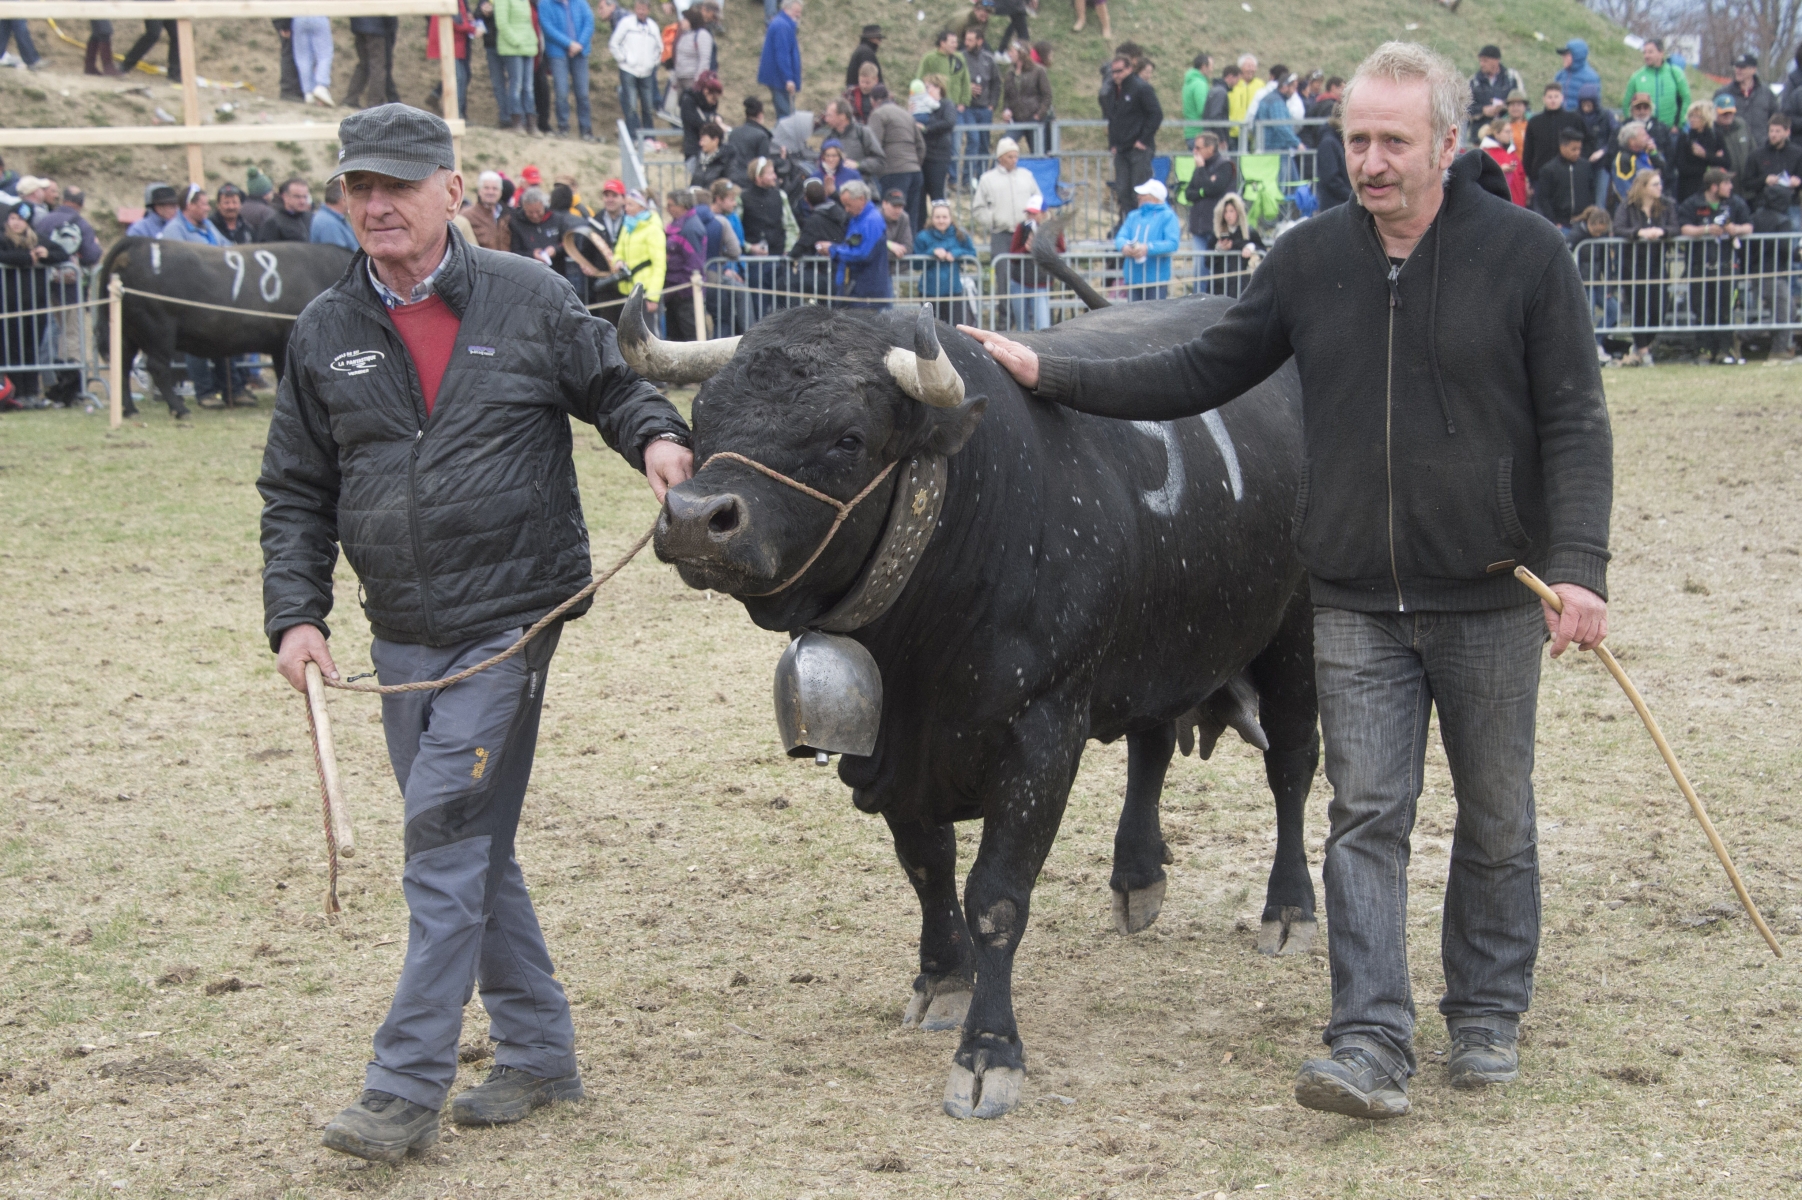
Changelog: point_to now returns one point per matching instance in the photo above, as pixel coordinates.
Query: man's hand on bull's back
(1019, 361)
(666, 464)
(302, 644)
(1583, 621)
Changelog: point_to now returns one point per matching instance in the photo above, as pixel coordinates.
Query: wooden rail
(191, 133)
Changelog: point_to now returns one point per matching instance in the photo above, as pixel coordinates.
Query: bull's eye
(850, 443)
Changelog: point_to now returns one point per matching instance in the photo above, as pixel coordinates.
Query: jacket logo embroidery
(357, 362)
(481, 765)
(487, 350)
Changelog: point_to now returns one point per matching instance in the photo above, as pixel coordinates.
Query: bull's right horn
(925, 372)
(671, 362)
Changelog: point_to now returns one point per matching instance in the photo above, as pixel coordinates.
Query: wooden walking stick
(1670, 760)
(338, 836)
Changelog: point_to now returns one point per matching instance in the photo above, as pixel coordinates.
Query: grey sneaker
(1481, 1055)
(382, 1128)
(1352, 1084)
(509, 1094)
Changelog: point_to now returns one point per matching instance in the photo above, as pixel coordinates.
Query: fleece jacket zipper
(1395, 573)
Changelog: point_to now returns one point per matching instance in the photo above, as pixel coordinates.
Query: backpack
(669, 43)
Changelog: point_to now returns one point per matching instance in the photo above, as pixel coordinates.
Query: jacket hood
(1590, 91)
(1579, 52)
(1476, 167)
(1238, 203)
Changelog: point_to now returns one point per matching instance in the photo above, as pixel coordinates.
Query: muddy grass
(177, 1018)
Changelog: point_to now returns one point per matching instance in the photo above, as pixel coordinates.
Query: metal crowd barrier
(46, 326)
(1690, 285)
(742, 291)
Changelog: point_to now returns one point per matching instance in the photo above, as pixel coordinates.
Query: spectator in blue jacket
(162, 205)
(568, 28)
(1148, 237)
(945, 245)
(330, 224)
(191, 224)
(780, 68)
(863, 254)
(1576, 71)
(1279, 138)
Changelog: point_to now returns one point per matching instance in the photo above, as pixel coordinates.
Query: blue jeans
(1031, 307)
(564, 71)
(1380, 675)
(28, 50)
(519, 86)
(312, 41)
(497, 79)
(638, 101)
(785, 103)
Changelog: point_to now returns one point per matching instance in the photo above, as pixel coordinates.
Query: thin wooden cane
(338, 836)
(1670, 760)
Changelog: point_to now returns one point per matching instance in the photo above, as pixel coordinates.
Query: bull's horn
(925, 372)
(671, 362)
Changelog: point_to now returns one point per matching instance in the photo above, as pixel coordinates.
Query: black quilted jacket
(464, 523)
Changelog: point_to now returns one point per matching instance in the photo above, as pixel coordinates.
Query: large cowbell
(828, 696)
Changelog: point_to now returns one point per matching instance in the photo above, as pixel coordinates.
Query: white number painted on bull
(1165, 500)
(156, 258)
(1224, 442)
(235, 261)
(270, 285)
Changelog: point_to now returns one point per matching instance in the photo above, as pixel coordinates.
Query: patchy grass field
(177, 1018)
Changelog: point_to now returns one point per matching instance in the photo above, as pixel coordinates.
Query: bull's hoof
(993, 1093)
(1292, 933)
(938, 1006)
(1136, 909)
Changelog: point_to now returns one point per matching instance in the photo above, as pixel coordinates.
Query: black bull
(1087, 579)
(261, 278)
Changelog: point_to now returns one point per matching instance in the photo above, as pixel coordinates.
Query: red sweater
(429, 329)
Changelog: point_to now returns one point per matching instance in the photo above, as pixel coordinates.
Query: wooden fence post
(116, 372)
(447, 64)
(190, 96)
(700, 302)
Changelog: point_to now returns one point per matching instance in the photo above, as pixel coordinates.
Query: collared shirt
(424, 288)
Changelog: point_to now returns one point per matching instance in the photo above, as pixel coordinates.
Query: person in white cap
(1001, 194)
(1148, 237)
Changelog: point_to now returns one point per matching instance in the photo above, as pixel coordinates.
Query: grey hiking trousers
(462, 756)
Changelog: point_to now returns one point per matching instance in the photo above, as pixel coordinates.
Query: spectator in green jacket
(1195, 95)
(943, 59)
(516, 38)
(1663, 82)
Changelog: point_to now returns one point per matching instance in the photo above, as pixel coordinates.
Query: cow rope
(243, 312)
(844, 507)
(428, 685)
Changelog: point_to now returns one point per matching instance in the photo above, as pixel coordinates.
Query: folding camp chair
(1261, 187)
(1046, 171)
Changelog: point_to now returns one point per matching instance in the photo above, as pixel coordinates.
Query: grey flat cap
(394, 139)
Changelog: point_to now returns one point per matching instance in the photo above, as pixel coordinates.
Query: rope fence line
(230, 308)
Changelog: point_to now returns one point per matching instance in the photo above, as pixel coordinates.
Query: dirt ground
(177, 1018)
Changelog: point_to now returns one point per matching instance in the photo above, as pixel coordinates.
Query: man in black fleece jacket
(1561, 190)
(1453, 426)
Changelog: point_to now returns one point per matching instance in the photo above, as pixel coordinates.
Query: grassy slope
(1328, 35)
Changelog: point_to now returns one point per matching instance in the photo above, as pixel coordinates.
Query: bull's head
(823, 397)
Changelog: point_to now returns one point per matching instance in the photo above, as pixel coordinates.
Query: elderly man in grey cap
(424, 426)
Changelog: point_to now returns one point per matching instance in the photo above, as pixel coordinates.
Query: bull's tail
(1045, 255)
(102, 282)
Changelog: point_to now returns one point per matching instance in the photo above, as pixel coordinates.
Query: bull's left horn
(925, 372)
(671, 362)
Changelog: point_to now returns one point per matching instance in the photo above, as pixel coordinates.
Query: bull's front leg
(941, 995)
(1139, 852)
(1019, 825)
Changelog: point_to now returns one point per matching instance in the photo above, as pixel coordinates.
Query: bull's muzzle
(700, 528)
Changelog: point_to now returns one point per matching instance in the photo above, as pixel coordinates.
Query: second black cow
(1083, 578)
(253, 294)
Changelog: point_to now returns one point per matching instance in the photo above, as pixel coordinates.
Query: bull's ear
(950, 428)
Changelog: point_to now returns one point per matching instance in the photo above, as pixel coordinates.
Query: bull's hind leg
(1020, 822)
(1288, 711)
(1139, 852)
(941, 995)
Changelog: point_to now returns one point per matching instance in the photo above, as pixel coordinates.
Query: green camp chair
(1261, 189)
